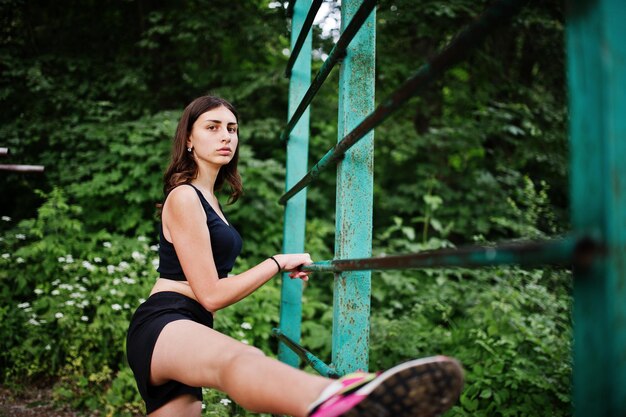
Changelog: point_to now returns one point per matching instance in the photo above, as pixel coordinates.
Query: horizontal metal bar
(306, 27)
(452, 54)
(336, 54)
(22, 168)
(569, 250)
(4, 151)
(305, 355)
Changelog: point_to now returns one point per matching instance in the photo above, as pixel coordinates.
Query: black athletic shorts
(145, 326)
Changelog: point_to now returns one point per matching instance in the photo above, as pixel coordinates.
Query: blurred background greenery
(93, 89)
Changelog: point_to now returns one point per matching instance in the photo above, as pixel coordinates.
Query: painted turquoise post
(295, 209)
(596, 47)
(353, 238)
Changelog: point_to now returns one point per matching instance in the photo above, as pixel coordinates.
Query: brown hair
(183, 167)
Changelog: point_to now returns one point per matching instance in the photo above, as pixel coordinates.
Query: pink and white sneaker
(419, 388)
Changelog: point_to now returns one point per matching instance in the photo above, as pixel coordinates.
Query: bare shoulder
(182, 200)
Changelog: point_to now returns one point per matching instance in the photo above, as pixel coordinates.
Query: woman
(171, 345)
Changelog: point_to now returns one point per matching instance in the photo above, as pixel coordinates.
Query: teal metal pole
(596, 47)
(295, 210)
(353, 238)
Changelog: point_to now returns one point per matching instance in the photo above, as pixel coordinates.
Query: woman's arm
(185, 221)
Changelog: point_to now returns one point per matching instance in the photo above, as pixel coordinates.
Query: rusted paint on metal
(353, 237)
(571, 251)
(596, 54)
(315, 362)
(469, 38)
(295, 210)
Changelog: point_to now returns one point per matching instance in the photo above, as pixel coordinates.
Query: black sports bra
(225, 242)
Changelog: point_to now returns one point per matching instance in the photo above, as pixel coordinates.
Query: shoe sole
(420, 388)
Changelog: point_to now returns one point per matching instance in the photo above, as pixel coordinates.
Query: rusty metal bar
(452, 54)
(355, 197)
(304, 32)
(336, 55)
(569, 250)
(21, 168)
(305, 355)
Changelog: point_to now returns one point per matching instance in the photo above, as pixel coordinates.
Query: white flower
(48, 347)
(155, 263)
(225, 401)
(116, 281)
(56, 282)
(61, 259)
(97, 259)
(76, 295)
(23, 305)
(245, 342)
(6, 255)
(112, 291)
(55, 292)
(246, 325)
(123, 265)
(88, 266)
(84, 318)
(20, 260)
(126, 306)
(138, 256)
(116, 307)
(6, 218)
(107, 244)
(58, 315)
(33, 322)
(142, 238)
(69, 259)
(142, 300)
(20, 236)
(38, 291)
(110, 269)
(154, 248)
(70, 302)
(127, 280)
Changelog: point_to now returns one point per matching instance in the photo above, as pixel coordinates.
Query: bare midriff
(181, 287)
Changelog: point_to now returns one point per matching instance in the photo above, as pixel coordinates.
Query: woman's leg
(196, 355)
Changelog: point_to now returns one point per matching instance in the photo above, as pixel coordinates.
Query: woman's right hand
(292, 262)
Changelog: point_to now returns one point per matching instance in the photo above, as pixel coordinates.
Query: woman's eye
(232, 129)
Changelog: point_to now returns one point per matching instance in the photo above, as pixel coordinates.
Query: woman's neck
(207, 175)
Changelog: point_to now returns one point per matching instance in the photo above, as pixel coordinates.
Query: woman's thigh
(193, 354)
(182, 406)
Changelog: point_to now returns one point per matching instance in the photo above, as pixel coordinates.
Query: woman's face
(214, 137)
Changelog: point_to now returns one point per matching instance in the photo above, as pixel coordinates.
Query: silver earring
(188, 149)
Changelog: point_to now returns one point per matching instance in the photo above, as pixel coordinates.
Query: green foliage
(69, 296)
(511, 333)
